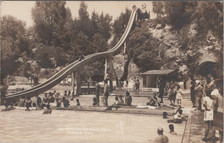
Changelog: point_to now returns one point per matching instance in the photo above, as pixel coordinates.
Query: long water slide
(63, 73)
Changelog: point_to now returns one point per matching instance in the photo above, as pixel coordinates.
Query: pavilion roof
(159, 72)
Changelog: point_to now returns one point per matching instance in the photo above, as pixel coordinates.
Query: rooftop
(158, 72)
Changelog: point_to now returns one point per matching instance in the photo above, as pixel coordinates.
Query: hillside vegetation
(183, 35)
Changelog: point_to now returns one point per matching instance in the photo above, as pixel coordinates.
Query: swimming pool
(78, 126)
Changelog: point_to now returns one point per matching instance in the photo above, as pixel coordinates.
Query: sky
(22, 9)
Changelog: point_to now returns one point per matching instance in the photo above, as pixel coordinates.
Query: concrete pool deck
(127, 110)
(195, 126)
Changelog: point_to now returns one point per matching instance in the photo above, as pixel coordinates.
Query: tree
(158, 8)
(209, 16)
(14, 42)
(49, 19)
(53, 24)
(104, 25)
(99, 43)
(120, 24)
(43, 55)
(90, 35)
(83, 14)
(84, 24)
(144, 49)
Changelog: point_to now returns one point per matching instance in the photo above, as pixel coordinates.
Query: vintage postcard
(111, 72)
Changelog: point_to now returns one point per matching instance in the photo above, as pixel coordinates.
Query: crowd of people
(119, 102)
(104, 100)
(46, 101)
(175, 94)
(64, 100)
(124, 86)
(205, 96)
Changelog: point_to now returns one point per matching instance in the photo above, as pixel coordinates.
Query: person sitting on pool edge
(22, 101)
(128, 99)
(178, 117)
(77, 102)
(45, 99)
(120, 99)
(116, 104)
(95, 103)
(65, 93)
(51, 98)
(47, 109)
(153, 100)
(58, 100)
(65, 102)
(28, 103)
(179, 112)
(161, 138)
(7, 104)
(69, 92)
(171, 127)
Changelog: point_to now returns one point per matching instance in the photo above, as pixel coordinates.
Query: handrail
(55, 79)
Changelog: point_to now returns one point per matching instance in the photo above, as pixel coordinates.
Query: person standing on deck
(39, 102)
(208, 116)
(137, 87)
(172, 94)
(218, 110)
(106, 92)
(58, 100)
(128, 99)
(45, 99)
(179, 95)
(199, 92)
(193, 91)
(162, 85)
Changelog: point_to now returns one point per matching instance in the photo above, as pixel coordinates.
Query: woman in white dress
(208, 116)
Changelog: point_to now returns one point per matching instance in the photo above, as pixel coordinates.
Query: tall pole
(110, 73)
(78, 83)
(125, 47)
(105, 71)
(73, 83)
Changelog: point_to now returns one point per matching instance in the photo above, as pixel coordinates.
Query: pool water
(19, 126)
